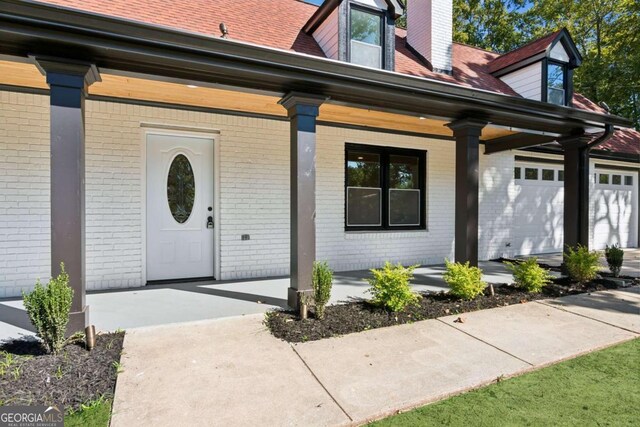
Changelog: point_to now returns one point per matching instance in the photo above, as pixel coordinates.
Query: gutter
(608, 133)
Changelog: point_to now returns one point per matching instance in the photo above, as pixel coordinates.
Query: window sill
(383, 234)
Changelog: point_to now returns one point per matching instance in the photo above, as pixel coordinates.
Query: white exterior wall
(327, 35)
(527, 81)
(363, 250)
(25, 232)
(430, 30)
(254, 196)
(496, 204)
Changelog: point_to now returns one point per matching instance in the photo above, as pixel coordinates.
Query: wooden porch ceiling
(27, 75)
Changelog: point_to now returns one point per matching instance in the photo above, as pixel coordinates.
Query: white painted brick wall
(254, 181)
(254, 197)
(363, 250)
(24, 191)
(496, 204)
(430, 30)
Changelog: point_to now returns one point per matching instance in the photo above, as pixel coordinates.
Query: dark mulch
(360, 315)
(549, 267)
(71, 378)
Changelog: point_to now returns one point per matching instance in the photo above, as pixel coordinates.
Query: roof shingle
(522, 53)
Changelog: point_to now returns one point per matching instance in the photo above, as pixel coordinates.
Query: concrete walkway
(232, 372)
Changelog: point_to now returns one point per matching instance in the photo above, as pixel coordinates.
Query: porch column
(467, 135)
(68, 84)
(576, 191)
(302, 110)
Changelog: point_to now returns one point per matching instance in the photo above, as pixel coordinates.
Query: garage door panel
(538, 213)
(614, 204)
(539, 208)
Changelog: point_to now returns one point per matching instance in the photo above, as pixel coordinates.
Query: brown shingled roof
(527, 51)
(625, 141)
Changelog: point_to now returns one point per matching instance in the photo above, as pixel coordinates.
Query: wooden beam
(515, 141)
(144, 89)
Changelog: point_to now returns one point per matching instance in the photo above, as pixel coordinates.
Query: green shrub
(465, 281)
(321, 281)
(581, 264)
(48, 308)
(529, 276)
(614, 256)
(390, 287)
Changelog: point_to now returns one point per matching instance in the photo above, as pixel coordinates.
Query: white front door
(179, 207)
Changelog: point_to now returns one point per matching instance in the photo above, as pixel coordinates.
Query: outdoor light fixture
(192, 86)
(224, 30)
(422, 118)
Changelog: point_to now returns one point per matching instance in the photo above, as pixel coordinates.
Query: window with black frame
(366, 38)
(385, 188)
(556, 83)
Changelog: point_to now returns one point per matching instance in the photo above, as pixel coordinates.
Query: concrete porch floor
(187, 302)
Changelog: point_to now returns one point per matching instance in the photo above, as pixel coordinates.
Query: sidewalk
(233, 372)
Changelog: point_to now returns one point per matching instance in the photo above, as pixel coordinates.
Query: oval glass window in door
(181, 188)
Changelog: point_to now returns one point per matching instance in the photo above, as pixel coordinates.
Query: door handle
(210, 222)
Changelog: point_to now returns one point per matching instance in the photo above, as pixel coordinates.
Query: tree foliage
(606, 32)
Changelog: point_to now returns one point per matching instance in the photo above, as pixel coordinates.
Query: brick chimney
(430, 31)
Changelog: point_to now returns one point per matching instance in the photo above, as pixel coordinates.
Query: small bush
(390, 287)
(465, 281)
(322, 281)
(529, 276)
(48, 308)
(581, 264)
(614, 256)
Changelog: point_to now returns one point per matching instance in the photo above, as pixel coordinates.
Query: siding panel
(527, 81)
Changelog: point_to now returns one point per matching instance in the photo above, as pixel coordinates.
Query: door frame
(181, 131)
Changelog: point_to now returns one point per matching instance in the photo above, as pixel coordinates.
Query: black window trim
(383, 36)
(566, 76)
(384, 152)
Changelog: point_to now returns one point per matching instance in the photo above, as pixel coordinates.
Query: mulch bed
(360, 315)
(71, 378)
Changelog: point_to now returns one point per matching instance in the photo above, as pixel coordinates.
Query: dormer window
(365, 38)
(556, 83)
(358, 31)
(541, 70)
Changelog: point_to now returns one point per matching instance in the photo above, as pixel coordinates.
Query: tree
(607, 34)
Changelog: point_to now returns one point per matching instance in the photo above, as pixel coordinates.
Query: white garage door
(538, 208)
(614, 204)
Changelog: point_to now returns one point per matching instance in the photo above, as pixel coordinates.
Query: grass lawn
(94, 415)
(598, 389)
